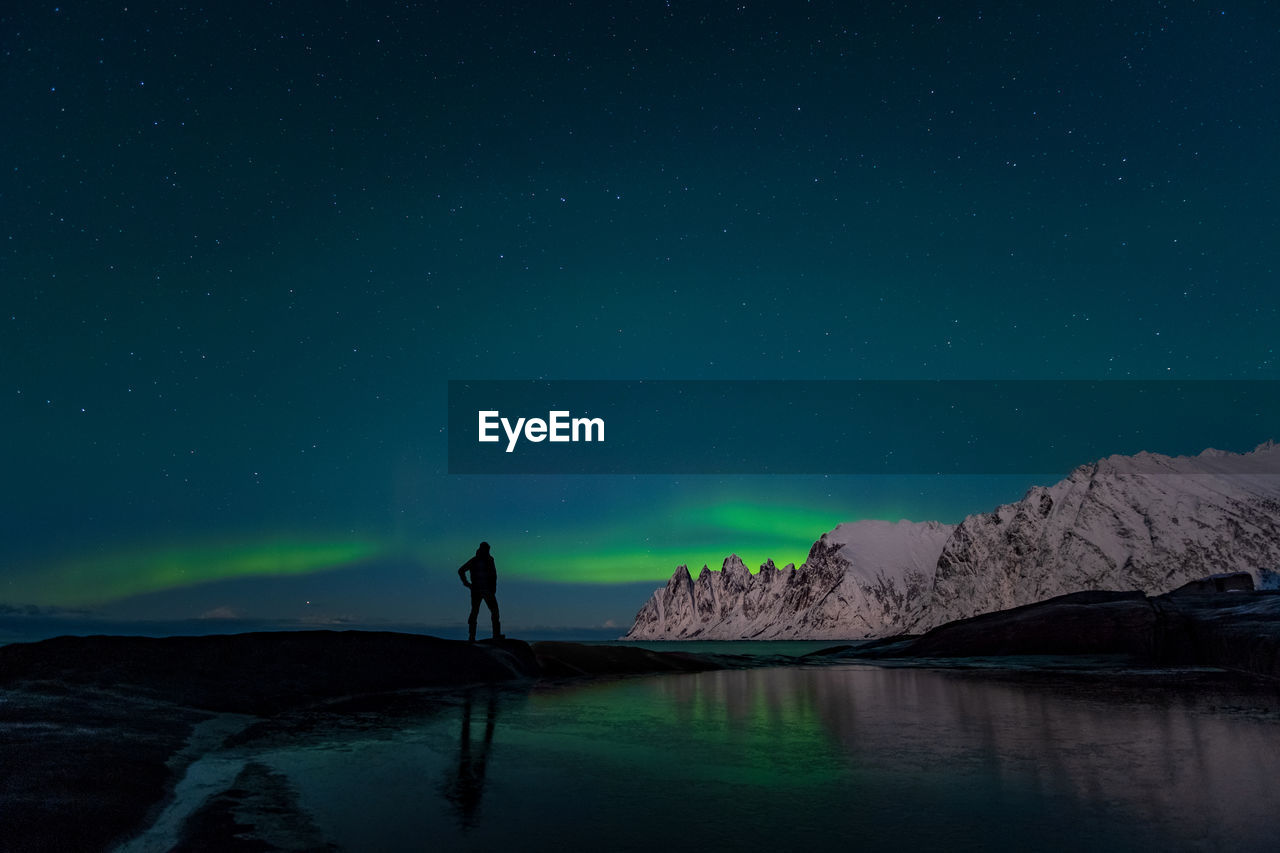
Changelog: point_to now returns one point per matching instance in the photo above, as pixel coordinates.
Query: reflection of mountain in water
(1162, 754)
(800, 757)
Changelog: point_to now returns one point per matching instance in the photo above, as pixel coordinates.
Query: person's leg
(476, 598)
(491, 599)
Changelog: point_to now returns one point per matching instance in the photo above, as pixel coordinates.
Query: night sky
(246, 246)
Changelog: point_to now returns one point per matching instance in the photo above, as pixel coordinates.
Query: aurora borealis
(245, 248)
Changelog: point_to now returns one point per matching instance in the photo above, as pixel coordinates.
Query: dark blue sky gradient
(245, 247)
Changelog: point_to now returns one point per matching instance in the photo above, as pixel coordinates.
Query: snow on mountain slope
(861, 575)
(1146, 522)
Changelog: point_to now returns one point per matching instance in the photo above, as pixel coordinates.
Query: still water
(794, 758)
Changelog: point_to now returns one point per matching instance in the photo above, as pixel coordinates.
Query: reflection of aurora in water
(730, 730)
(783, 758)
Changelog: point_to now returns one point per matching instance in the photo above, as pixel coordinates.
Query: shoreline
(103, 733)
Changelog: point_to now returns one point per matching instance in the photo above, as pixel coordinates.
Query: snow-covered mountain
(858, 580)
(1146, 522)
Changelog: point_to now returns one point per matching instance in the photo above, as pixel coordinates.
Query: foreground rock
(263, 673)
(79, 769)
(96, 731)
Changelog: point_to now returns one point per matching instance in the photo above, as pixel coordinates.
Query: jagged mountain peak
(874, 548)
(1147, 521)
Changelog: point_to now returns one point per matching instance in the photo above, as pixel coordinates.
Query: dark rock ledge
(96, 731)
(1232, 630)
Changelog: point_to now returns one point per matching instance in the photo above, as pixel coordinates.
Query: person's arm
(462, 573)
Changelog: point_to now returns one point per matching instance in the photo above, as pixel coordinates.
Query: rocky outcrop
(265, 672)
(268, 672)
(1232, 630)
(1079, 623)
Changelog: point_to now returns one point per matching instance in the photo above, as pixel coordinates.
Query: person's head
(483, 549)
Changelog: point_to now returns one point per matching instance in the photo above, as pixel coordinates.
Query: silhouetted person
(465, 788)
(484, 587)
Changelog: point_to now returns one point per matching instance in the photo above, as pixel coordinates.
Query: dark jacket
(484, 574)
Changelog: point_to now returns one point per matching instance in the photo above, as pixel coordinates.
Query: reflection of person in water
(464, 788)
(484, 587)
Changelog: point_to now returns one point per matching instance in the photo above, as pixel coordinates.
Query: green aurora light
(643, 548)
(651, 546)
(89, 580)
